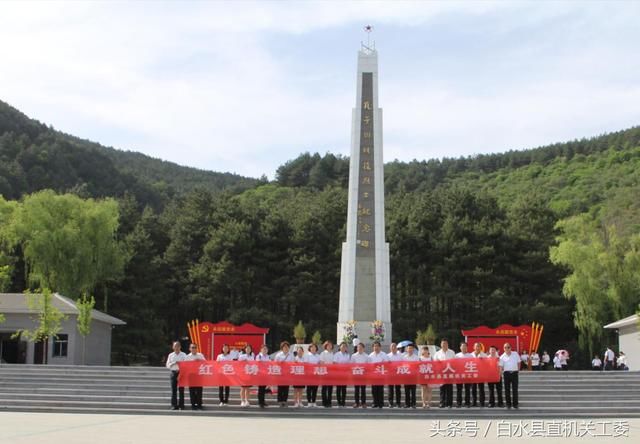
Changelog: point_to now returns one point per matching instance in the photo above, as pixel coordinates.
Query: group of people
(610, 361)
(472, 394)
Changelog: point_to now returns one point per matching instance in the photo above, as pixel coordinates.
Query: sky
(245, 86)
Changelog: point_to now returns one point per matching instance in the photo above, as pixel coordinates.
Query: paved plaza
(53, 428)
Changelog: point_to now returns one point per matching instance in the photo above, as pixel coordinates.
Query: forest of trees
(550, 235)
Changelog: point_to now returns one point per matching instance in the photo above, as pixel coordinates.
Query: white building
(67, 348)
(628, 339)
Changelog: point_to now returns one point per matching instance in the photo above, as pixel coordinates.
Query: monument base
(363, 330)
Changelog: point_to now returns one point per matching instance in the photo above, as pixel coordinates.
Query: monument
(364, 279)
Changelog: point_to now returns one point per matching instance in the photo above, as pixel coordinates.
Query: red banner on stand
(237, 373)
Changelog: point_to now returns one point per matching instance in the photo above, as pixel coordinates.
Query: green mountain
(549, 234)
(34, 156)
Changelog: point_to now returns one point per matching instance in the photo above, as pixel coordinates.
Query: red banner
(236, 373)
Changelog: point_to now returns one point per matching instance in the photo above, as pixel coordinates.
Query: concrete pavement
(53, 428)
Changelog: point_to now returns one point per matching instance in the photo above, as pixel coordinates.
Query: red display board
(211, 337)
(519, 337)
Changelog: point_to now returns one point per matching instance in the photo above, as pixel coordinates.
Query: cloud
(245, 86)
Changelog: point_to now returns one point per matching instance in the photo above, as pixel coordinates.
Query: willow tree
(69, 244)
(604, 274)
(7, 209)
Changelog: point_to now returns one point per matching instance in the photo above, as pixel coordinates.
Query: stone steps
(145, 390)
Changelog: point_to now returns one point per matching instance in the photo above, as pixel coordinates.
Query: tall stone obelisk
(364, 280)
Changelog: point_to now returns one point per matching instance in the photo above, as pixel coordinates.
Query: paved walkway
(53, 428)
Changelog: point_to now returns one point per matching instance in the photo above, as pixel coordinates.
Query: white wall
(629, 343)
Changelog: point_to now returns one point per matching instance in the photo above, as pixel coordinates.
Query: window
(60, 346)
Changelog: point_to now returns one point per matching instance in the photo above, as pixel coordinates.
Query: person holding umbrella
(563, 357)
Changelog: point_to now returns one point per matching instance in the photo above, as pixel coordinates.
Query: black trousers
(495, 387)
(477, 389)
(195, 396)
(467, 393)
(283, 393)
(223, 394)
(341, 394)
(511, 388)
(608, 365)
(312, 393)
(446, 395)
(262, 390)
(175, 390)
(394, 393)
(377, 391)
(327, 392)
(361, 394)
(410, 395)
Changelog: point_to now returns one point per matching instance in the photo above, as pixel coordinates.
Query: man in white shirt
(479, 386)
(172, 364)
(464, 353)
(535, 360)
(360, 357)
(326, 357)
(495, 386)
(284, 355)
(235, 353)
(342, 357)
(377, 391)
(410, 389)
(195, 393)
(609, 359)
(394, 390)
(510, 362)
(446, 390)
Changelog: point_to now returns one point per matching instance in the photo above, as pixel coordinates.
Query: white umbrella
(563, 353)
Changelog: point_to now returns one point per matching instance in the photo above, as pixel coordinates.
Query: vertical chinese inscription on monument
(366, 206)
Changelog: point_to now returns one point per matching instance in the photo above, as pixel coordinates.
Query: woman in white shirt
(425, 389)
(326, 357)
(284, 355)
(546, 359)
(223, 391)
(535, 360)
(297, 389)
(312, 357)
(524, 357)
(621, 362)
(246, 355)
(557, 365)
(263, 356)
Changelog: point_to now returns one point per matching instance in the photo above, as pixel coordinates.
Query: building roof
(11, 303)
(629, 320)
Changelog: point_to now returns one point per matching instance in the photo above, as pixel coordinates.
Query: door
(39, 348)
